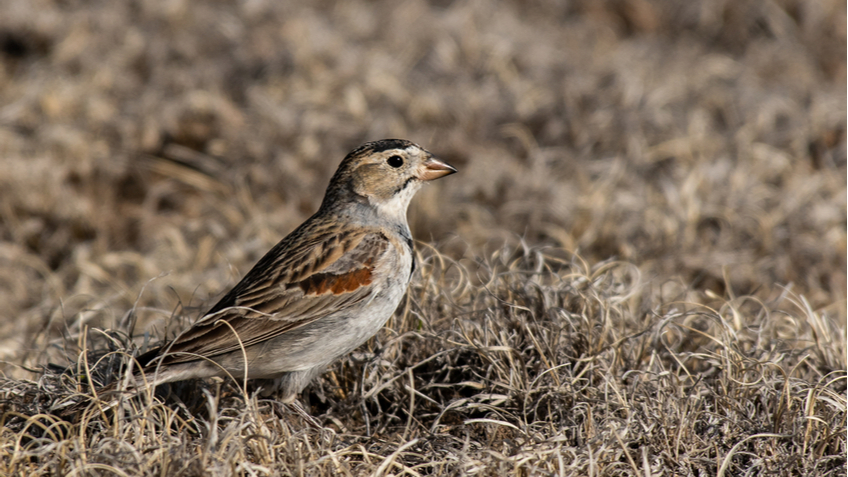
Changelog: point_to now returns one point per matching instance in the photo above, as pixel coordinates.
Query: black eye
(395, 161)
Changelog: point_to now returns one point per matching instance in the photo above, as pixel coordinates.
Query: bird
(322, 291)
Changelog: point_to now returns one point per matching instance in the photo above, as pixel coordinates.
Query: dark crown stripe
(380, 146)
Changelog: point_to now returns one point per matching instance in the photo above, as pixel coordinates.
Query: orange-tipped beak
(434, 168)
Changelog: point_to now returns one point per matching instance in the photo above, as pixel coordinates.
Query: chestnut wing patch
(351, 271)
(321, 283)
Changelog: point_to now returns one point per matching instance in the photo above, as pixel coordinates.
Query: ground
(639, 269)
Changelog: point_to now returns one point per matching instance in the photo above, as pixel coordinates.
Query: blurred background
(151, 152)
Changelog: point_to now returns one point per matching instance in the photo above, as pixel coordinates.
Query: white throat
(394, 209)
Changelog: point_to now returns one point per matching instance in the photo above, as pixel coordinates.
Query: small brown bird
(323, 290)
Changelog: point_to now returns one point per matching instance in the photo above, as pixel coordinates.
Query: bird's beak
(433, 168)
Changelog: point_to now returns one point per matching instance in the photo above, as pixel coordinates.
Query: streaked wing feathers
(296, 283)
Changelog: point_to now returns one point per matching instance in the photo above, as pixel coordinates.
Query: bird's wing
(295, 283)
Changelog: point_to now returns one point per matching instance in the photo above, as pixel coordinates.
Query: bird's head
(385, 174)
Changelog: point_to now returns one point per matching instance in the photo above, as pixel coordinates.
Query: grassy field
(639, 270)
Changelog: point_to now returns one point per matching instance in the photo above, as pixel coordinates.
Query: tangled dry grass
(526, 363)
(640, 270)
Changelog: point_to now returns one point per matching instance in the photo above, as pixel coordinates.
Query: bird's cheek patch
(321, 283)
(373, 182)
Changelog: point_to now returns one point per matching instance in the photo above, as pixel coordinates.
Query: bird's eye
(395, 161)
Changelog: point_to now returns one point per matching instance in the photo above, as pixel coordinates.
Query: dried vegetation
(641, 269)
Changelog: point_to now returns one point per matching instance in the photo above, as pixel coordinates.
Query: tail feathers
(105, 398)
(144, 359)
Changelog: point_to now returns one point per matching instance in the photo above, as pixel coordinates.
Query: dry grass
(525, 362)
(641, 268)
